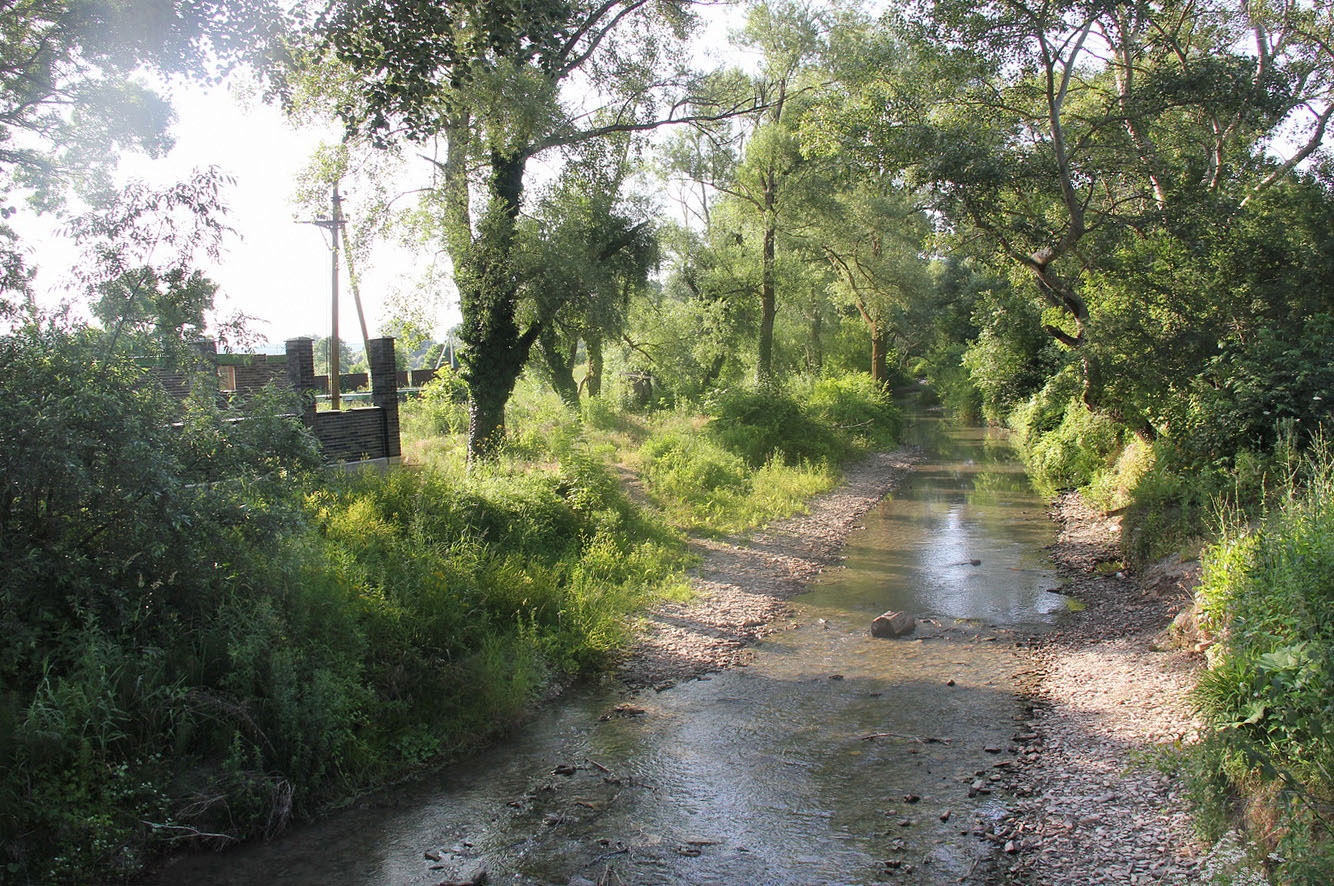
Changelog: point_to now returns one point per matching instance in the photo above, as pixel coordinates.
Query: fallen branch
(185, 832)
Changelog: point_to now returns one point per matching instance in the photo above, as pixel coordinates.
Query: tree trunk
(768, 307)
(559, 367)
(815, 354)
(495, 350)
(715, 369)
(594, 378)
(879, 353)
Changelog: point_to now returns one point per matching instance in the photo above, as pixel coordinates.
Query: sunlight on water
(794, 770)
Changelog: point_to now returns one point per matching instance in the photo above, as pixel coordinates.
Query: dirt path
(1090, 805)
(744, 583)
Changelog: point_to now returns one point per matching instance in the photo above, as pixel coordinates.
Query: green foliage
(760, 424)
(1268, 592)
(700, 485)
(1011, 357)
(953, 382)
(203, 636)
(1062, 443)
(764, 451)
(441, 407)
(852, 403)
(1273, 381)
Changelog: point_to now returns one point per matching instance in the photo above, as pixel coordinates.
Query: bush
(852, 403)
(202, 634)
(1269, 595)
(1062, 443)
(1176, 501)
(766, 423)
(700, 485)
(441, 408)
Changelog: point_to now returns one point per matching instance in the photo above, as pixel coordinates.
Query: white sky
(274, 269)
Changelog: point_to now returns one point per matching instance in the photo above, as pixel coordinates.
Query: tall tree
(589, 250)
(872, 237)
(1058, 129)
(491, 79)
(755, 164)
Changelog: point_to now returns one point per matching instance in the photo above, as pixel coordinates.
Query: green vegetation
(1268, 592)
(204, 634)
(1103, 225)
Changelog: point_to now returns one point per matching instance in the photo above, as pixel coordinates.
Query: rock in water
(893, 624)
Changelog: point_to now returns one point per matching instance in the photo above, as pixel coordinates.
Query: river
(834, 758)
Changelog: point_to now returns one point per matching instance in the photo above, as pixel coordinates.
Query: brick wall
(256, 371)
(347, 381)
(351, 434)
(419, 377)
(345, 435)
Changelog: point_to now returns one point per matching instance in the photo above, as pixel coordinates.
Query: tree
(872, 236)
(589, 250)
(68, 106)
(1059, 130)
(757, 165)
(488, 78)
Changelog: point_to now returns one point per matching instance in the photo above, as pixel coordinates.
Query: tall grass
(398, 619)
(1268, 593)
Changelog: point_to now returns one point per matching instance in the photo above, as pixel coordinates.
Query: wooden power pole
(335, 224)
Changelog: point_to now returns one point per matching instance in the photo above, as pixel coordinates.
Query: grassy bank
(207, 635)
(1268, 757)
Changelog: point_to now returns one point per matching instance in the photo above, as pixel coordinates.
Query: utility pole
(334, 224)
(335, 363)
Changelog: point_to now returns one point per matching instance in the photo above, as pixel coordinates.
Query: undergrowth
(1268, 593)
(213, 654)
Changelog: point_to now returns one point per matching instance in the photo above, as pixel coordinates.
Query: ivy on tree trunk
(494, 349)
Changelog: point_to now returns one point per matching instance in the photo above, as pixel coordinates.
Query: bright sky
(274, 269)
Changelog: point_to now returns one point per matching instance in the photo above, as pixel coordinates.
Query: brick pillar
(301, 375)
(384, 389)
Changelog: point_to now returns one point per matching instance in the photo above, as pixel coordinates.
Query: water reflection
(791, 771)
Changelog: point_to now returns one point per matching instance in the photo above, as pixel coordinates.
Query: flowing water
(798, 769)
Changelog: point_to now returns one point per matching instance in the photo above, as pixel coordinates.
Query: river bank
(1096, 795)
(743, 583)
(832, 757)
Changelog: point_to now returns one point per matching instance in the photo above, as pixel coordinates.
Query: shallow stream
(799, 769)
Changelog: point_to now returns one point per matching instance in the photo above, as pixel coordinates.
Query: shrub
(700, 485)
(1269, 594)
(852, 403)
(766, 423)
(441, 408)
(1063, 444)
(203, 634)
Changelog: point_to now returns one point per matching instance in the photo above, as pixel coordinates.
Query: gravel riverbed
(1097, 798)
(1093, 797)
(743, 583)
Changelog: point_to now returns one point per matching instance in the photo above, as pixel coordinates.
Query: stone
(893, 624)
(477, 877)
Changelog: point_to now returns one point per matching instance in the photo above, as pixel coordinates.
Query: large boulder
(893, 624)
